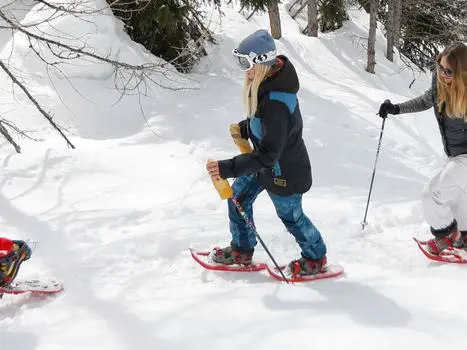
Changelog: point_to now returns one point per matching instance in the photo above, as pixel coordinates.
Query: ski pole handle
(242, 144)
(223, 187)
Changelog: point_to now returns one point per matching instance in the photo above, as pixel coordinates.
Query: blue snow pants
(289, 210)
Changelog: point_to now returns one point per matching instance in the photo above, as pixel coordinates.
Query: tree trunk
(365, 4)
(274, 19)
(390, 30)
(372, 37)
(397, 21)
(312, 18)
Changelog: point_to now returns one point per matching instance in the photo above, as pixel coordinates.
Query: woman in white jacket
(445, 197)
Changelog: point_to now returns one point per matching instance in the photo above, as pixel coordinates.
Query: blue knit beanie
(261, 43)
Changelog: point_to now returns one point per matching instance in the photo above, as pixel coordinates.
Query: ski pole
(364, 223)
(225, 191)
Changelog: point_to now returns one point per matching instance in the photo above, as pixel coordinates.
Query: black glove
(387, 107)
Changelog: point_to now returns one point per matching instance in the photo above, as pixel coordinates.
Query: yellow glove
(242, 144)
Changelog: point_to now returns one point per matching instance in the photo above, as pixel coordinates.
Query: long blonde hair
(250, 87)
(455, 93)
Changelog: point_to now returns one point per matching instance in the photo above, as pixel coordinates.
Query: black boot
(463, 241)
(444, 238)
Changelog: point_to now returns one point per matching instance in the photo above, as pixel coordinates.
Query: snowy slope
(114, 218)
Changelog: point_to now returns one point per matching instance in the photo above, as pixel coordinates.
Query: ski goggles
(247, 61)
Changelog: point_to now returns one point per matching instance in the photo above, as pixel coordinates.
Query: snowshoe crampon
(331, 271)
(204, 259)
(36, 287)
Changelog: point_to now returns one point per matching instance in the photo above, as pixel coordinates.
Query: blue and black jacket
(279, 159)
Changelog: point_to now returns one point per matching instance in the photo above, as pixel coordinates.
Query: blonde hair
(251, 87)
(455, 93)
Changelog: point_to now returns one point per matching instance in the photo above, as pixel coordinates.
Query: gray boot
(306, 267)
(230, 256)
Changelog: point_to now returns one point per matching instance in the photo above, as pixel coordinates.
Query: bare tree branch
(36, 104)
(59, 48)
(8, 137)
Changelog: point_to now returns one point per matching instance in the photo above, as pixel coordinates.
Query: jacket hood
(285, 79)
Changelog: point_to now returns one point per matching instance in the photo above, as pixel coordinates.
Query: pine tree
(170, 29)
(421, 28)
(430, 25)
(332, 15)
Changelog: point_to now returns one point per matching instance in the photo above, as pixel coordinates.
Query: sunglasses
(247, 61)
(446, 71)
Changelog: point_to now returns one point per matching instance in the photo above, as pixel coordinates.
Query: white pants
(445, 197)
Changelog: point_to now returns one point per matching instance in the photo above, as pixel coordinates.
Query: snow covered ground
(114, 218)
